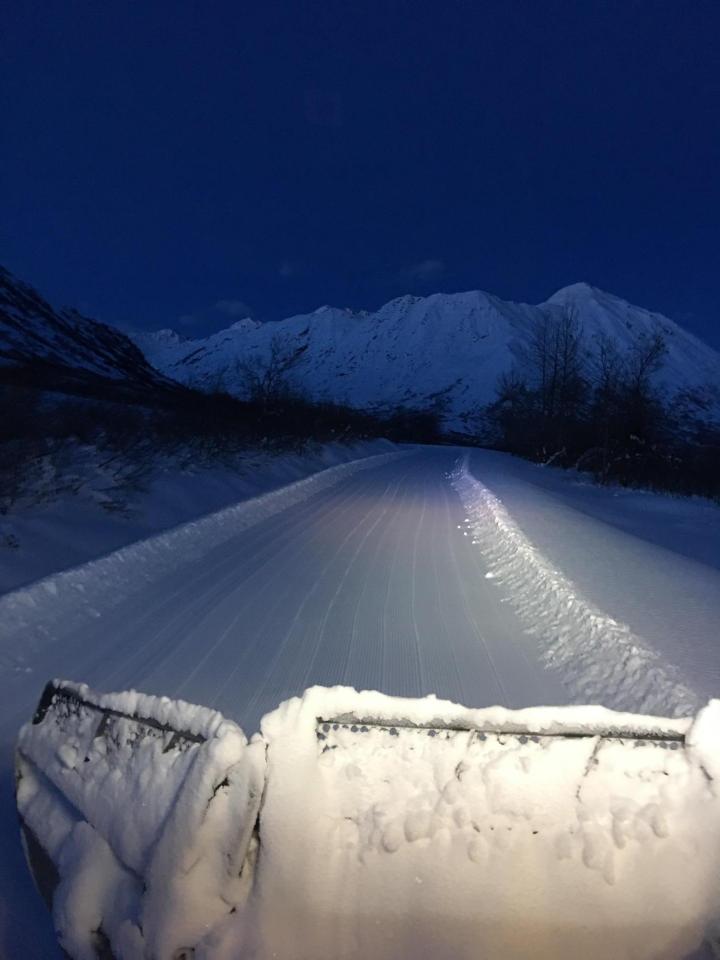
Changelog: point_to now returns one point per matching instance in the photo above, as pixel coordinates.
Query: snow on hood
(387, 827)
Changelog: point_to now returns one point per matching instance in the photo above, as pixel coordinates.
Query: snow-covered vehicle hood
(359, 824)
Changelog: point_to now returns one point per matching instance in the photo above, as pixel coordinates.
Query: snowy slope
(36, 337)
(418, 351)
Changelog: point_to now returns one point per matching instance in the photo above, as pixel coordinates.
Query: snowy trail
(368, 583)
(373, 581)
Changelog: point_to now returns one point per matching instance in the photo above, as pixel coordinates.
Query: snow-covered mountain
(416, 351)
(61, 348)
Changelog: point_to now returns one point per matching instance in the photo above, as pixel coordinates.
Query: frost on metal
(358, 824)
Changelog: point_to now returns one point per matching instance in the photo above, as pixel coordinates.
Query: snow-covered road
(374, 581)
(371, 583)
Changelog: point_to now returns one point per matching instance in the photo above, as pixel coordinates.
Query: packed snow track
(373, 583)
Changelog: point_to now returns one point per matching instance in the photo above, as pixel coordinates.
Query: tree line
(603, 411)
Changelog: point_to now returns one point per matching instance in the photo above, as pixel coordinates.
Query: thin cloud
(289, 269)
(234, 308)
(188, 320)
(425, 271)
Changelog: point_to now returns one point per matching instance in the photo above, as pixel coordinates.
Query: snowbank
(388, 827)
(74, 596)
(117, 502)
(599, 657)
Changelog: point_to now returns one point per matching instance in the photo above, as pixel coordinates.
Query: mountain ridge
(443, 351)
(417, 351)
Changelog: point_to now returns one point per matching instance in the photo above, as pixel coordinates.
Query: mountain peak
(574, 292)
(247, 323)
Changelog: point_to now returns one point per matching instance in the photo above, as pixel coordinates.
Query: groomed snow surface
(480, 579)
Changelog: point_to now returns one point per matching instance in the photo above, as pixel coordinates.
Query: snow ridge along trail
(600, 659)
(86, 591)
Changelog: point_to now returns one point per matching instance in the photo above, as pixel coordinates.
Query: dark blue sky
(159, 159)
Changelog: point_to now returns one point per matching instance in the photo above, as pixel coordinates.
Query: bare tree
(642, 407)
(511, 413)
(627, 414)
(645, 359)
(608, 376)
(555, 362)
(266, 377)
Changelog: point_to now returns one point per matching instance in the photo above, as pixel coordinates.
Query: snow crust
(389, 827)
